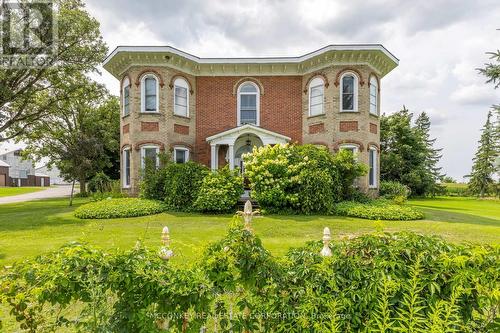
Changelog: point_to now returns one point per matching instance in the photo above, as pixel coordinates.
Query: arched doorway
(243, 145)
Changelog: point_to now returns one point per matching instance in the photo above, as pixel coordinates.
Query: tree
(80, 136)
(407, 153)
(491, 70)
(28, 94)
(432, 155)
(449, 180)
(484, 166)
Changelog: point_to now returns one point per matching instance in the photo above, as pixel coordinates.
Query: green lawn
(9, 191)
(27, 229)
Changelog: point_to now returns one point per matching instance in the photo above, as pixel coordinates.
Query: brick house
(213, 110)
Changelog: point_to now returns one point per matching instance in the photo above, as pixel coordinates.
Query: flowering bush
(124, 207)
(394, 190)
(377, 210)
(219, 191)
(305, 179)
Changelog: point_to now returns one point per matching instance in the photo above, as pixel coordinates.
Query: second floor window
(316, 93)
(373, 96)
(181, 98)
(126, 96)
(248, 104)
(149, 92)
(349, 92)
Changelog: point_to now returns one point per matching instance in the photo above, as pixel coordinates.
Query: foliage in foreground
(120, 207)
(376, 283)
(219, 191)
(377, 210)
(304, 179)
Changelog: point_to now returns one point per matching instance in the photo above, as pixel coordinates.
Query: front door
(238, 160)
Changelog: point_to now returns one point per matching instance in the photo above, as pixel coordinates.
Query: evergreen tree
(432, 156)
(407, 153)
(484, 167)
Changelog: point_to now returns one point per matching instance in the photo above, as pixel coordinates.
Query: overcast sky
(440, 43)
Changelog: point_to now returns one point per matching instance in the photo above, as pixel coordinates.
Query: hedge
(121, 207)
(377, 210)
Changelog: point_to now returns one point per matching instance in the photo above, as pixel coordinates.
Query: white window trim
(176, 148)
(126, 83)
(350, 145)
(180, 82)
(355, 99)
(316, 82)
(373, 82)
(257, 102)
(143, 162)
(375, 168)
(124, 180)
(143, 93)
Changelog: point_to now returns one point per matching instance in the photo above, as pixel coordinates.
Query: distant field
(10, 191)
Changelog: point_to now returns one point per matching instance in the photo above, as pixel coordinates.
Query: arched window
(316, 96)
(126, 167)
(248, 104)
(126, 96)
(149, 93)
(349, 92)
(181, 97)
(350, 147)
(372, 164)
(149, 154)
(373, 96)
(181, 154)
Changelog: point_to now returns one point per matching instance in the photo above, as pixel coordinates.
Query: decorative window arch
(349, 82)
(352, 147)
(316, 96)
(126, 161)
(374, 97)
(126, 96)
(373, 166)
(248, 104)
(150, 92)
(181, 97)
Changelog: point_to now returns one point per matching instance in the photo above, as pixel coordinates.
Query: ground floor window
(350, 147)
(150, 154)
(181, 155)
(126, 167)
(372, 182)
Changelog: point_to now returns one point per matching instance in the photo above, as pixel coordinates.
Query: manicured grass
(30, 228)
(10, 191)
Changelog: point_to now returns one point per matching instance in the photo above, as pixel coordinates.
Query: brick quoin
(348, 126)
(150, 126)
(216, 107)
(126, 128)
(181, 129)
(373, 128)
(317, 128)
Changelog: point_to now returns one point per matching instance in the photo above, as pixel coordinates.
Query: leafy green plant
(100, 183)
(304, 179)
(394, 190)
(219, 191)
(182, 184)
(152, 185)
(114, 208)
(377, 210)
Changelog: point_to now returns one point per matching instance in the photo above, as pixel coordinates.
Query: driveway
(51, 192)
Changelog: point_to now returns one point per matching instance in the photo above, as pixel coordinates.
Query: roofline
(257, 60)
(239, 128)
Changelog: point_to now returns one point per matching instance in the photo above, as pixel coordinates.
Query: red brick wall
(150, 126)
(181, 129)
(373, 128)
(317, 128)
(126, 128)
(347, 126)
(280, 108)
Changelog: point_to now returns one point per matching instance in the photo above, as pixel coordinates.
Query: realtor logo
(28, 33)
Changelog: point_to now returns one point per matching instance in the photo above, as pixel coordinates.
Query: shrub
(392, 190)
(114, 208)
(305, 179)
(219, 191)
(100, 183)
(98, 196)
(182, 183)
(152, 185)
(377, 210)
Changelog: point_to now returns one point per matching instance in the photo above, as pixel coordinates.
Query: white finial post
(326, 252)
(165, 252)
(248, 214)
